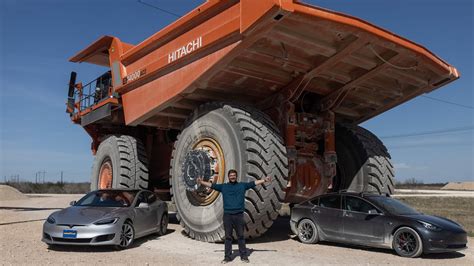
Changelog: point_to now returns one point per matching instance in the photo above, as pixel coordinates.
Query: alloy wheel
(406, 243)
(126, 236)
(307, 232)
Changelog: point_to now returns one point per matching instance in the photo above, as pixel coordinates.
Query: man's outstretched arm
(199, 181)
(263, 180)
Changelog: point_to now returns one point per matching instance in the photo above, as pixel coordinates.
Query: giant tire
(252, 145)
(363, 162)
(128, 161)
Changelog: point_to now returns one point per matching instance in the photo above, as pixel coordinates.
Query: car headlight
(51, 220)
(107, 221)
(430, 226)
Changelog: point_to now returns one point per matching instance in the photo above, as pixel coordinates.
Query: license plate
(69, 234)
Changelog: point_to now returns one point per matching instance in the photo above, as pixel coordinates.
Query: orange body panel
(249, 50)
(154, 95)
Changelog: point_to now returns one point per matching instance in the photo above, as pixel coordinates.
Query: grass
(457, 209)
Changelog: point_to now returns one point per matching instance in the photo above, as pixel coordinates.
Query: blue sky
(38, 37)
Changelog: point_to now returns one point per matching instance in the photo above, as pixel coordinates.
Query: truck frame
(268, 87)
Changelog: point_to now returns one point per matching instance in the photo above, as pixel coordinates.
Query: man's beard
(233, 181)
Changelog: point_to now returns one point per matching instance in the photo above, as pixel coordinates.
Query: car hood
(87, 215)
(441, 222)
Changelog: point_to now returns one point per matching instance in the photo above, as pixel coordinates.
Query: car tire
(250, 143)
(307, 232)
(407, 243)
(363, 162)
(163, 224)
(127, 235)
(125, 159)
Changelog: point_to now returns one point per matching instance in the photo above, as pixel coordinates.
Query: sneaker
(224, 261)
(246, 260)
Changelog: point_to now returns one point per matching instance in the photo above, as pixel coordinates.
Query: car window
(88, 200)
(357, 205)
(393, 206)
(107, 198)
(141, 198)
(150, 197)
(315, 202)
(333, 201)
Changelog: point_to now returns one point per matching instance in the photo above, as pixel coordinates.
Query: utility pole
(61, 177)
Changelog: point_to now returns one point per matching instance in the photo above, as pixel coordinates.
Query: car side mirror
(143, 205)
(373, 212)
(72, 203)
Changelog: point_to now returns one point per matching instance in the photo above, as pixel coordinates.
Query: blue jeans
(236, 221)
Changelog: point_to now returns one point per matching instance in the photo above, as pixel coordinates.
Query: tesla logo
(71, 226)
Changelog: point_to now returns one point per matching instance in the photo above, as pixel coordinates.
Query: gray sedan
(107, 217)
(375, 220)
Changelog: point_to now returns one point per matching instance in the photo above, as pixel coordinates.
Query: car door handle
(316, 211)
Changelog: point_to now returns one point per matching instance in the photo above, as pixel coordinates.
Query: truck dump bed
(248, 50)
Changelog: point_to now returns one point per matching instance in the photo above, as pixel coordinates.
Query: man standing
(233, 194)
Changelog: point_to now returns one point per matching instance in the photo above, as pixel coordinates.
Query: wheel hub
(197, 164)
(205, 160)
(105, 175)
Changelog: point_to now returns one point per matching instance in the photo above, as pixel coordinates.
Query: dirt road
(21, 223)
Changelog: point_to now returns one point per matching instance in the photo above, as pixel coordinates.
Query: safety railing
(92, 93)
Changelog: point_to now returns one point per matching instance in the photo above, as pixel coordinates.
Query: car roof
(349, 193)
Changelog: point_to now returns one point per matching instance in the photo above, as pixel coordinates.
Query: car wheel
(127, 235)
(163, 224)
(407, 243)
(307, 232)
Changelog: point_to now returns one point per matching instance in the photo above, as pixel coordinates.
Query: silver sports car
(107, 217)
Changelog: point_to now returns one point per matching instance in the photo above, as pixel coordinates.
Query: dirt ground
(21, 224)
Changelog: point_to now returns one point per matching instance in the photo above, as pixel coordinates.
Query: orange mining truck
(268, 87)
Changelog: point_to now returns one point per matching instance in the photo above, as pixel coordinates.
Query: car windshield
(393, 206)
(108, 198)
